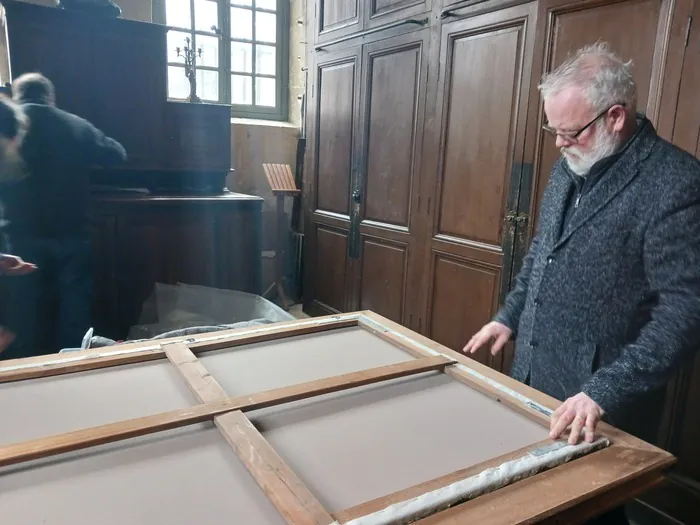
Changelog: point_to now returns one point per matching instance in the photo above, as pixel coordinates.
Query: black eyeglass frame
(576, 134)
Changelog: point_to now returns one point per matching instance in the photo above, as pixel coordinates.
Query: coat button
(550, 259)
(533, 344)
(538, 302)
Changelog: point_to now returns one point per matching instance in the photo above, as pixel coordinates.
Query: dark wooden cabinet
(426, 160)
(140, 240)
(337, 19)
(113, 72)
(195, 135)
(368, 101)
(478, 155)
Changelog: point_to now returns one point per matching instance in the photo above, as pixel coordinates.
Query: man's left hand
(582, 413)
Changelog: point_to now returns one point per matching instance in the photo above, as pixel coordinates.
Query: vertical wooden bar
(286, 491)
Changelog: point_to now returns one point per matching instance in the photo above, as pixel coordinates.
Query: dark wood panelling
(480, 122)
(112, 83)
(461, 290)
(381, 12)
(394, 87)
(383, 288)
(392, 117)
(331, 257)
(336, 96)
(337, 12)
(143, 240)
(62, 37)
(689, 431)
(196, 134)
(337, 18)
(686, 131)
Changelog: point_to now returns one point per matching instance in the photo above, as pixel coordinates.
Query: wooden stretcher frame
(573, 492)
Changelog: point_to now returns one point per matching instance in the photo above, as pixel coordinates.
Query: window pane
(210, 50)
(266, 4)
(241, 57)
(241, 89)
(177, 13)
(205, 15)
(208, 85)
(242, 2)
(178, 85)
(265, 92)
(241, 23)
(265, 27)
(265, 60)
(176, 39)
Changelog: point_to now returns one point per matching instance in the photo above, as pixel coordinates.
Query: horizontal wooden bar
(291, 497)
(96, 436)
(321, 324)
(150, 350)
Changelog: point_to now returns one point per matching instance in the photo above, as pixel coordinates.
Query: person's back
(59, 151)
(48, 221)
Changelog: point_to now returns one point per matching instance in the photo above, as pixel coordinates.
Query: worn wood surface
(127, 353)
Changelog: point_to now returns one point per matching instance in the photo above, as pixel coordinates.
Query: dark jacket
(609, 305)
(59, 151)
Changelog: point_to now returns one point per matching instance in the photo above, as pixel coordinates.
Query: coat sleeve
(672, 266)
(103, 150)
(509, 313)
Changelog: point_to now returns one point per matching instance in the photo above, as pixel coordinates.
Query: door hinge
(687, 30)
(517, 218)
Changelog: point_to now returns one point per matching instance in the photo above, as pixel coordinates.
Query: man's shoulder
(54, 113)
(671, 176)
(672, 157)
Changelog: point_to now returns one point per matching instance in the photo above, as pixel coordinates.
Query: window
(240, 48)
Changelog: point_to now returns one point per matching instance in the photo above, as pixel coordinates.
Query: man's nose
(563, 141)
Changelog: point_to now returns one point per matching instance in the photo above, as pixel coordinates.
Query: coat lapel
(618, 176)
(561, 186)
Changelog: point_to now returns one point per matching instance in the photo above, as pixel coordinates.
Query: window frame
(282, 92)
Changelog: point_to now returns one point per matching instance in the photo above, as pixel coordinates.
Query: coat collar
(618, 175)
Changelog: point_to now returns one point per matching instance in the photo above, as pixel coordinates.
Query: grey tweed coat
(610, 306)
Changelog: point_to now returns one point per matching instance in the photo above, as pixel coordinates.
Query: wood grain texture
(280, 179)
(290, 496)
(91, 437)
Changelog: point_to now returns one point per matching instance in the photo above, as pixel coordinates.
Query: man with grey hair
(606, 306)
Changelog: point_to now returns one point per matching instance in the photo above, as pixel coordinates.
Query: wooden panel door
(481, 112)
(386, 237)
(636, 29)
(333, 127)
(337, 18)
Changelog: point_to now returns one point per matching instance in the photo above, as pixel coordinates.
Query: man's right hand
(494, 333)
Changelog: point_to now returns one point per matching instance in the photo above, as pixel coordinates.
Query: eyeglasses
(572, 136)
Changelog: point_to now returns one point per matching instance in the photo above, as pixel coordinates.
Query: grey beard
(607, 145)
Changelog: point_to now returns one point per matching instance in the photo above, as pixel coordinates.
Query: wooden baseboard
(674, 502)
